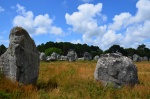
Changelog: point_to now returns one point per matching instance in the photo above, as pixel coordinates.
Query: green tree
(130, 51)
(66, 46)
(116, 48)
(2, 49)
(41, 48)
(95, 50)
(141, 50)
(49, 51)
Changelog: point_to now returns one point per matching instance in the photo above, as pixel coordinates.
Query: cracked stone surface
(21, 60)
(116, 70)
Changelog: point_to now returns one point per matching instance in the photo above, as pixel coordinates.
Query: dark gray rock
(21, 60)
(42, 56)
(87, 56)
(72, 56)
(136, 58)
(116, 70)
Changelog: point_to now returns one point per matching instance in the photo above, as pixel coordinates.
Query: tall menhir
(21, 60)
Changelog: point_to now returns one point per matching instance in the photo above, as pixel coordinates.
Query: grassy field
(74, 80)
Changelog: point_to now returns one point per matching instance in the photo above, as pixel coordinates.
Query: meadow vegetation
(74, 80)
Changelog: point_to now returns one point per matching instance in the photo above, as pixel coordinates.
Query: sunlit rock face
(72, 56)
(21, 60)
(42, 56)
(116, 70)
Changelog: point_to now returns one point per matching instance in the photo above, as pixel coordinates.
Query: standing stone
(42, 56)
(87, 56)
(145, 58)
(81, 58)
(54, 56)
(21, 60)
(116, 70)
(96, 57)
(58, 56)
(48, 58)
(136, 58)
(72, 55)
(63, 58)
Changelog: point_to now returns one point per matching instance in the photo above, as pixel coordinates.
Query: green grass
(74, 80)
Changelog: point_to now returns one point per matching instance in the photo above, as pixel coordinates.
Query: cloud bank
(126, 29)
(35, 25)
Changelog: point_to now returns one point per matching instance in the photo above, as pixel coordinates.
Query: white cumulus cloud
(143, 12)
(126, 29)
(84, 21)
(35, 25)
(120, 21)
(76, 41)
(1, 9)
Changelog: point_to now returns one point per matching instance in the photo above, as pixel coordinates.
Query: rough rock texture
(96, 57)
(58, 56)
(81, 58)
(48, 58)
(54, 56)
(21, 60)
(63, 58)
(72, 56)
(130, 57)
(87, 56)
(145, 58)
(116, 70)
(137, 58)
(42, 56)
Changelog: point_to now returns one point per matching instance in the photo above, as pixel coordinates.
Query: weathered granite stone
(87, 56)
(21, 60)
(54, 56)
(116, 70)
(81, 58)
(130, 57)
(63, 58)
(136, 58)
(96, 57)
(58, 56)
(42, 56)
(72, 56)
(145, 58)
(48, 58)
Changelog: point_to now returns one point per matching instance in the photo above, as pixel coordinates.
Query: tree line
(141, 50)
(63, 48)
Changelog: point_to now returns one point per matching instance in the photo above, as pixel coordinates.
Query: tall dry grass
(74, 80)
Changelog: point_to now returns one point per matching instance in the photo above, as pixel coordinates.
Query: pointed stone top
(18, 31)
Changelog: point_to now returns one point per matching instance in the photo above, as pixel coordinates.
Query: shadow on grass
(47, 86)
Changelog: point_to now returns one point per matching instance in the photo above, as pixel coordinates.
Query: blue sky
(101, 23)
